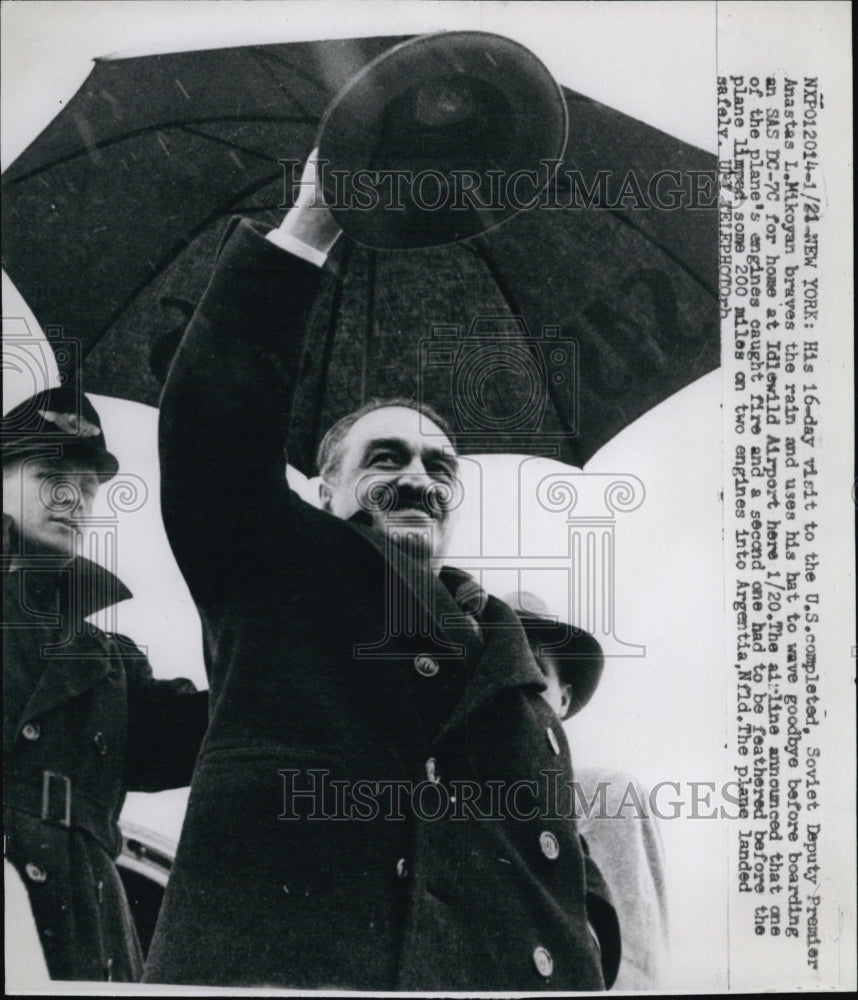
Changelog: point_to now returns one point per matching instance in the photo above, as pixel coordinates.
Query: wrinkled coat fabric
(83, 722)
(313, 685)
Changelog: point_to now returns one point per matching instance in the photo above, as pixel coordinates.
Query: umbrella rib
(264, 56)
(667, 252)
(265, 52)
(228, 143)
(172, 255)
(483, 252)
(162, 126)
(336, 301)
(369, 326)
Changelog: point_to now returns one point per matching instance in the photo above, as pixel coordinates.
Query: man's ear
(565, 699)
(325, 495)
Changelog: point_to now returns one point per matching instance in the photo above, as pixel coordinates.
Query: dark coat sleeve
(167, 720)
(602, 917)
(225, 413)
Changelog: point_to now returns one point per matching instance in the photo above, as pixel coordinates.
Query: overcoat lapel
(501, 659)
(506, 662)
(451, 634)
(62, 680)
(79, 590)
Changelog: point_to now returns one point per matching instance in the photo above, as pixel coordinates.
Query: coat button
(543, 961)
(431, 771)
(31, 731)
(552, 740)
(35, 873)
(100, 741)
(402, 868)
(548, 845)
(426, 666)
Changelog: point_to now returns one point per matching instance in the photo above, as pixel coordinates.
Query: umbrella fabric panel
(603, 139)
(148, 153)
(173, 183)
(429, 325)
(644, 328)
(471, 357)
(120, 363)
(264, 83)
(114, 215)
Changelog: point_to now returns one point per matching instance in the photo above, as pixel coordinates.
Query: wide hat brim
(449, 111)
(576, 653)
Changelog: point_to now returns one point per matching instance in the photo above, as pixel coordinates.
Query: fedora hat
(440, 138)
(576, 654)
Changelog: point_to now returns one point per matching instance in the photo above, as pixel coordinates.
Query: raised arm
(227, 401)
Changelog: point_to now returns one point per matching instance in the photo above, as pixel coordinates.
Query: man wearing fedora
(360, 689)
(83, 718)
(613, 820)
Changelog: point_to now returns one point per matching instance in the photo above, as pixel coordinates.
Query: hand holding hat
(309, 222)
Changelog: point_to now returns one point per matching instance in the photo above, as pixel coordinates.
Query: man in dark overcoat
(83, 718)
(367, 702)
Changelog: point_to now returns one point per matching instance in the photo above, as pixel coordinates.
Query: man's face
(47, 499)
(403, 479)
(557, 694)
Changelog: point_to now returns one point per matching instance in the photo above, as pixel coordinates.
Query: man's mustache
(424, 501)
(386, 497)
(407, 498)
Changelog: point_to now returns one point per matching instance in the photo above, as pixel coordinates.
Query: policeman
(84, 720)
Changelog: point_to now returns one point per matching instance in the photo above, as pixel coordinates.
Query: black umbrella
(546, 335)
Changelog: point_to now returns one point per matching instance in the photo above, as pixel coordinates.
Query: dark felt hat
(435, 110)
(576, 654)
(60, 424)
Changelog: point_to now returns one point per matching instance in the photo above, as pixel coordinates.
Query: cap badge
(71, 423)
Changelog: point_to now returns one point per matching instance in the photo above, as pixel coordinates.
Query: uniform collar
(81, 585)
(58, 598)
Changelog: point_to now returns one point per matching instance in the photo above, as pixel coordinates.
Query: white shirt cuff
(291, 244)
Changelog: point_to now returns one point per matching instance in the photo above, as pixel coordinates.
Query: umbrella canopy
(546, 335)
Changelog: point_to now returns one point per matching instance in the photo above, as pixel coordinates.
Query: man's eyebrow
(383, 444)
(400, 446)
(439, 454)
(391, 442)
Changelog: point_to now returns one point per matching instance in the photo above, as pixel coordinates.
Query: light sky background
(660, 716)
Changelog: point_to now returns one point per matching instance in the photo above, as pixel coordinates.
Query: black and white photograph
(428, 497)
